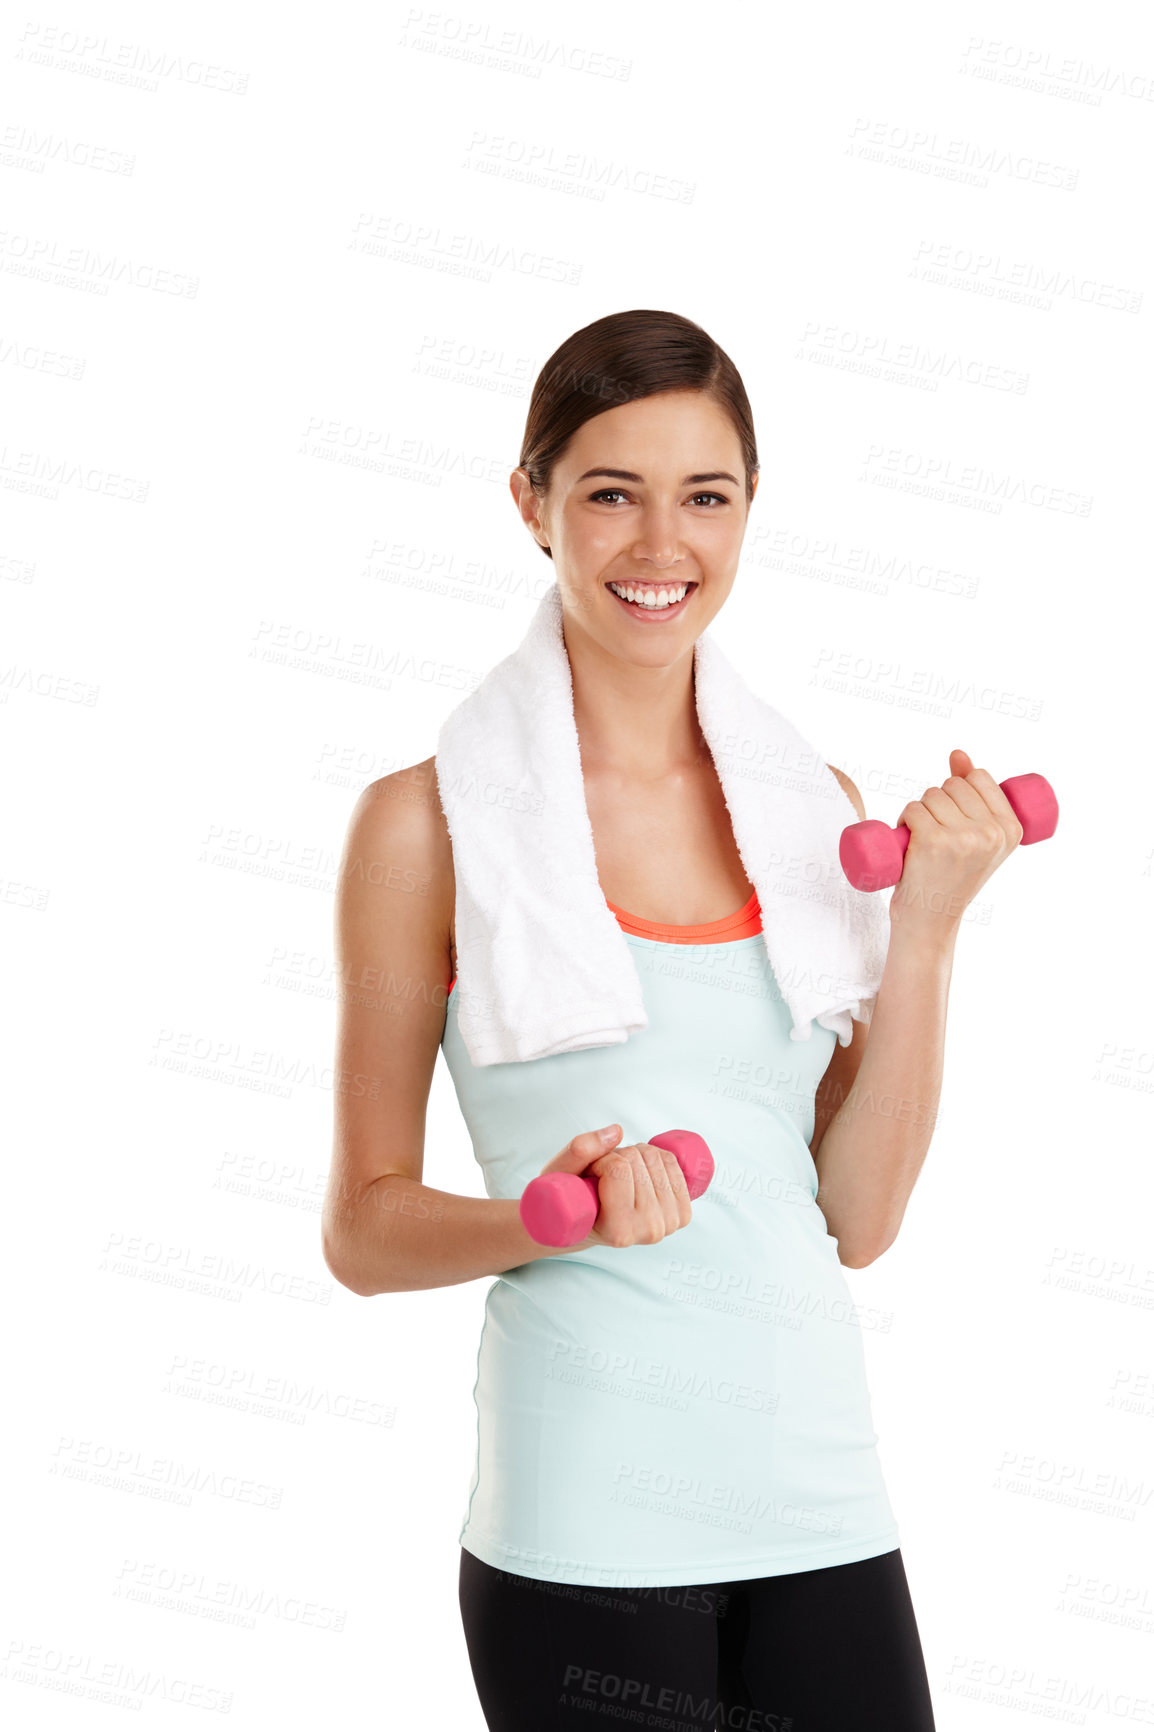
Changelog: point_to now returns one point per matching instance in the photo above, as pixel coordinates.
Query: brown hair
(616, 360)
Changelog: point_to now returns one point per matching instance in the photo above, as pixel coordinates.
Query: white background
(276, 287)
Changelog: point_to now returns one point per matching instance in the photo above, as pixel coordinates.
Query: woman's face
(671, 519)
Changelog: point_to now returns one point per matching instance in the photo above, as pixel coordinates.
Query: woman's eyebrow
(686, 480)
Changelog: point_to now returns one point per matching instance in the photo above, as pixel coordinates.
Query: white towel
(542, 965)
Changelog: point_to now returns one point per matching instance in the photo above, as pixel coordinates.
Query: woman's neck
(639, 722)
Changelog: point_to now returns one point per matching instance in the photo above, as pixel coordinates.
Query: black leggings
(828, 1650)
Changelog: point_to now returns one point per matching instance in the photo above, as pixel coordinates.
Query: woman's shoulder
(398, 838)
(405, 807)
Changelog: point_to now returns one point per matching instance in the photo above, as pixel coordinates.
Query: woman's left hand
(959, 835)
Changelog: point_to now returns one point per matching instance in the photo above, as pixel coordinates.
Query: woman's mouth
(652, 601)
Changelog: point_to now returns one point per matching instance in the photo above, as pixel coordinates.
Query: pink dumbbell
(872, 854)
(561, 1208)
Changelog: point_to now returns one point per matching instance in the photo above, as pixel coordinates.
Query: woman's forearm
(399, 1236)
(873, 1148)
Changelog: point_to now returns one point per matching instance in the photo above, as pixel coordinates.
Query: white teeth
(652, 598)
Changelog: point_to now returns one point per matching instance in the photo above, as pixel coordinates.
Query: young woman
(651, 1597)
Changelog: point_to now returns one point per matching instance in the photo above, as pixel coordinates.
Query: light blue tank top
(692, 1411)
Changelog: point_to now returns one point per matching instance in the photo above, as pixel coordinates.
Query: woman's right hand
(642, 1189)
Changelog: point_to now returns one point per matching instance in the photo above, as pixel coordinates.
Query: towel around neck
(542, 965)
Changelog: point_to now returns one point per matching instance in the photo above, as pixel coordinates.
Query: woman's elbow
(339, 1250)
(860, 1253)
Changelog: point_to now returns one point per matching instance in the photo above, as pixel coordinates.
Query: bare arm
(869, 1149)
(383, 1230)
(888, 1082)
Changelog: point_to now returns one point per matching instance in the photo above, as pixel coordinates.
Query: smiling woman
(678, 1402)
(645, 565)
(663, 545)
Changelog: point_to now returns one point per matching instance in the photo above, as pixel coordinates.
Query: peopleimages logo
(631, 1695)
